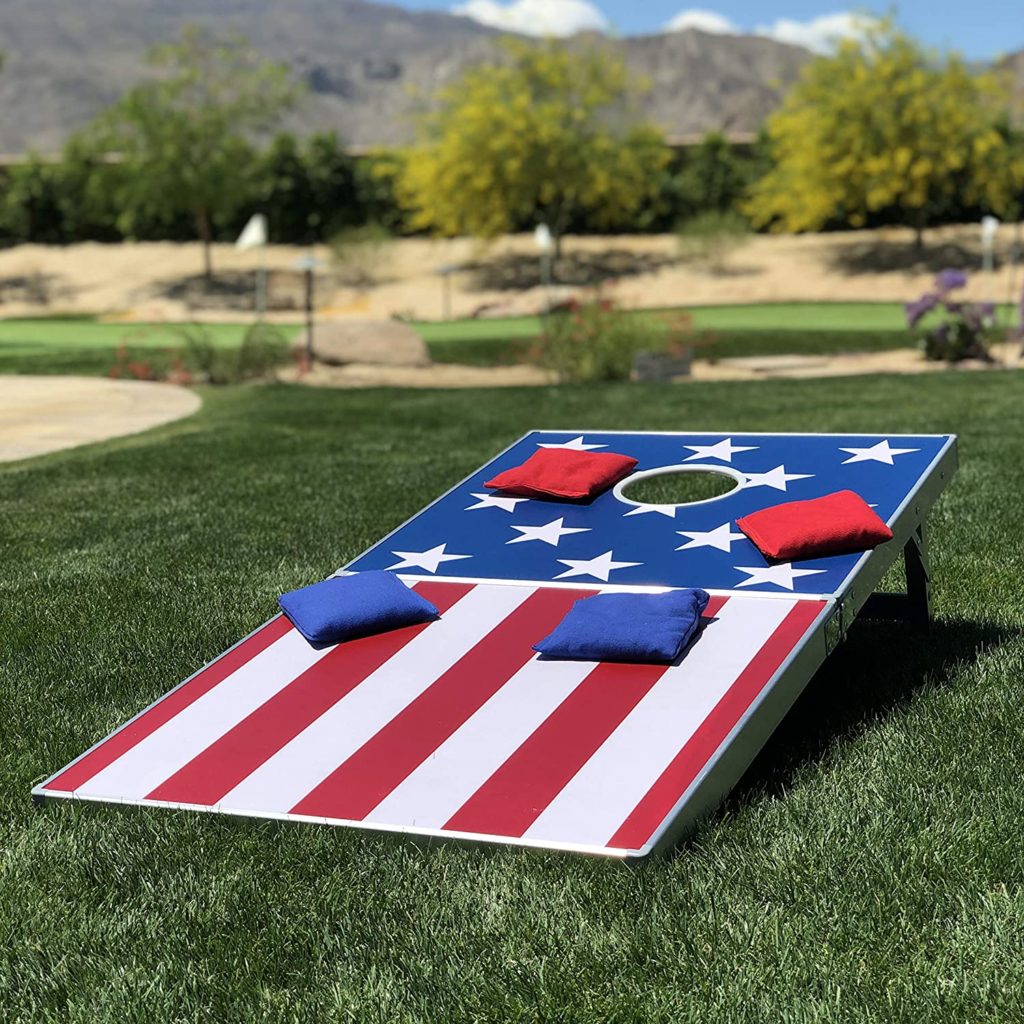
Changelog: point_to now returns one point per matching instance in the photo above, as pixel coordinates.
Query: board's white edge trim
(608, 588)
(726, 433)
(364, 826)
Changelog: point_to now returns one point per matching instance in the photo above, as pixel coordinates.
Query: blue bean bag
(348, 607)
(627, 627)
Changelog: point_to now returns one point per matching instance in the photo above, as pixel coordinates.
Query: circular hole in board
(678, 485)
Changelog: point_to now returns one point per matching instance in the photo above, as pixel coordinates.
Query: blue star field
(475, 533)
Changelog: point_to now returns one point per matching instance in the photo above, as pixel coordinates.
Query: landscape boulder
(371, 342)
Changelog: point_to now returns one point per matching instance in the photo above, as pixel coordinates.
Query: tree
(714, 176)
(308, 188)
(545, 135)
(184, 137)
(883, 125)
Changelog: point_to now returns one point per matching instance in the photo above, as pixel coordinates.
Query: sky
(982, 30)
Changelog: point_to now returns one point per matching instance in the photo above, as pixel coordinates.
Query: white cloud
(820, 34)
(705, 21)
(536, 17)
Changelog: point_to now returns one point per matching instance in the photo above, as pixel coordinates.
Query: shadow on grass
(878, 256)
(878, 670)
(515, 271)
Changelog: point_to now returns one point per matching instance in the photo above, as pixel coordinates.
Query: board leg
(914, 606)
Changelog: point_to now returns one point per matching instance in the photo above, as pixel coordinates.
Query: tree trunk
(920, 223)
(205, 236)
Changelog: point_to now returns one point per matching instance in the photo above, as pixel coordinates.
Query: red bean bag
(836, 524)
(564, 473)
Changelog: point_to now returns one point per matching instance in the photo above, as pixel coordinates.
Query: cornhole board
(456, 729)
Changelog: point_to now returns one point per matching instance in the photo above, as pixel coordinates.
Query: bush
(709, 237)
(596, 341)
(950, 330)
(360, 253)
(262, 350)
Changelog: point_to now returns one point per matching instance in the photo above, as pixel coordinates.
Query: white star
(600, 567)
(723, 450)
(721, 537)
(495, 501)
(551, 534)
(577, 444)
(664, 510)
(880, 452)
(428, 560)
(781, 575)
(777, 478)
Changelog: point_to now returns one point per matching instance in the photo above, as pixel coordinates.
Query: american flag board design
(456, 729)
(470, 532)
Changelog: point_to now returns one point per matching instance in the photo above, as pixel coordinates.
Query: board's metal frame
(736, 752)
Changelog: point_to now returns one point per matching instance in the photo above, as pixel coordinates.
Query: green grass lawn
(90, 346)
(86, 345)
(789, 316)
(721, 332)
(868, 867)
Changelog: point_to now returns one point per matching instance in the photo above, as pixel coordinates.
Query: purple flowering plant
(951, 330)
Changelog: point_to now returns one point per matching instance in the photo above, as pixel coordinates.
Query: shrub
(360, 253)
(596, 341)
(951, 330)
(711, 236)
(262, 350)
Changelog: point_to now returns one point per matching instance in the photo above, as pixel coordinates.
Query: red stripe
(172, 704)
(509, 802)
(239, 752)
(356, 786)
(644, 820)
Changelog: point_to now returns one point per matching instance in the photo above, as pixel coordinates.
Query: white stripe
(141, 769)
(301, 765)
(429, 796)
(608, 787)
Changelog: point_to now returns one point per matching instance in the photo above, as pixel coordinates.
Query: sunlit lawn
(789, 316)
(86, 345)
(868, 868)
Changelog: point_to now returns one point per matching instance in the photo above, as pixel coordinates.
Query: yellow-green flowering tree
(545, 135)
(885, 124)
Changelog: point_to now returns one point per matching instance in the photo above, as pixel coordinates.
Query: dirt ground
(46, 414)
(160, 281)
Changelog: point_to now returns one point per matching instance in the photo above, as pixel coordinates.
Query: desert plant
(709, 237)
(590, 341)
(951, 330)
(360, 254)
(262, 350)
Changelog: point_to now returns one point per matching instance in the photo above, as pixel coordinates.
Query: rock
(649, 366)
(372, 342)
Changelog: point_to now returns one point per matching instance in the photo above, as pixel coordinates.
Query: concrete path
(45, 414)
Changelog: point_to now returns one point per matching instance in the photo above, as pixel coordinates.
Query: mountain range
(364, 64)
